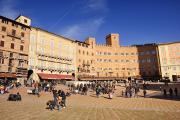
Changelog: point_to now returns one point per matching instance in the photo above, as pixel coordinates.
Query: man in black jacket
(63, 95)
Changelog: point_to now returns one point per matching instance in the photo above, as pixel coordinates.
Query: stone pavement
(89, 107)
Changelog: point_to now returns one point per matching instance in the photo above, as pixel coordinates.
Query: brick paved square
(80, 107)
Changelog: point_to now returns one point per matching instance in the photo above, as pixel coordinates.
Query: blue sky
(137, 21)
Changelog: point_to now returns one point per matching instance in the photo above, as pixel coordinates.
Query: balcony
(14, 35)
(12, 57)
(11, 64)
(21, 67)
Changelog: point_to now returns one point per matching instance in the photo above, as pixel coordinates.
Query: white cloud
(96, 5)
(7, 8)
(83, 30)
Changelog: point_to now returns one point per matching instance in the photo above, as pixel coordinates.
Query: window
(25, 21)
(1, 58)
(11, 54)
(2, 43)
(79, 51)
(20, 64)
(143, 60)
(153, 52)
(9, 69)
(174, 68)
(149, 60)
(22, 34)
(116, 54)
(4, 29)
(14, 25)
(12, 45)
(21, 47)
(4, 21)
(165, 68)
(23, 28)
(147, 52)
(13, 32)
(122, 53)
(1, 61)
(141, 53)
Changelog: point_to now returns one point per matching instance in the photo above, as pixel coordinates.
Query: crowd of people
(99, 88)
(171, 92)
(6, 85)
(59, 100)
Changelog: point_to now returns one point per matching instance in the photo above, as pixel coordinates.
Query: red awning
(46, 76)
(7, 75)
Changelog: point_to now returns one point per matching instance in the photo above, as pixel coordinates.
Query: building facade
(14, 44)
(51, 56)
(85, 59)
(111, 60)
(169, 56)
(54, 57)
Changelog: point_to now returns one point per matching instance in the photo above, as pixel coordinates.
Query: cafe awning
(46, 76)
(7, 75)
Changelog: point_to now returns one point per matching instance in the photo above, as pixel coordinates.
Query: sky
(137, 21)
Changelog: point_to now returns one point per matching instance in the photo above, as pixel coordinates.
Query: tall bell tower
(112, 40)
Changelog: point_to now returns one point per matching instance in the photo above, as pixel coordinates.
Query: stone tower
(112, 40)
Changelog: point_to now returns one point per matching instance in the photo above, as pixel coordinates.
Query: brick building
(14, 44)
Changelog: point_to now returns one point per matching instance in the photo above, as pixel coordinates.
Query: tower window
(25, 21)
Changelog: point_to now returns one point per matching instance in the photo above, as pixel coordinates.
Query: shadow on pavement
(167, 97)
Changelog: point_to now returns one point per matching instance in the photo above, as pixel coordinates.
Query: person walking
(176, 91)
(63, 96)
(171, 92)
(144, 92)
(98, 91)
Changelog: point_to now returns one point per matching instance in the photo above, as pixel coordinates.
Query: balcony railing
(54, 56)
(14, 35)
